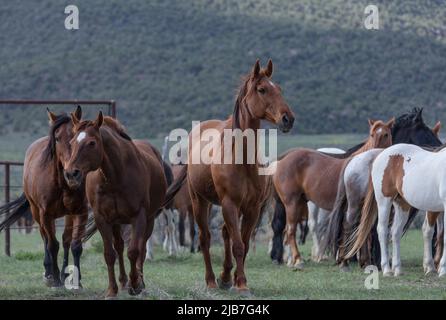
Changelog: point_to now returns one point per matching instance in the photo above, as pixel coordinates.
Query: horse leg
(442, 265)
(138, 240)
(323, 220)
(231, 217)
(106, 232)
(66, 242)
(278, 224)
(53, 249)
(225, 282)
(313, 212)
(384, 206)
(191, 229)
(201, 214)
(79, 226)
(353, 210)
(173, 246)
(165, 231)
(118, 244)
(293, 214)
(142, 249)
(439, 240)
(149, 249)
(182, 226)
(428, 233)
(399, 221)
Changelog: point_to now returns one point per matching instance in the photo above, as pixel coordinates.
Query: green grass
(182, 277)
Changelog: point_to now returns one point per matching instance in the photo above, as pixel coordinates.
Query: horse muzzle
(73, 178)
(286, 123)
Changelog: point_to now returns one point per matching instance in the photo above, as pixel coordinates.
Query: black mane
(50, 149)
(409, 118)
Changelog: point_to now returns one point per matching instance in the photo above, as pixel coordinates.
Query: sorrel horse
(352, 188)
(238, 188)
(49, 197)
(304, 175)
(403, 176)
(125, 184)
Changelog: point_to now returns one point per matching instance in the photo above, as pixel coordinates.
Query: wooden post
(7, 198)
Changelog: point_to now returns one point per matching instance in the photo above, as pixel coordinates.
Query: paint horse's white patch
(81, 136)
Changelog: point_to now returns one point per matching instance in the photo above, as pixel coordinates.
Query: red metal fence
(7, 165)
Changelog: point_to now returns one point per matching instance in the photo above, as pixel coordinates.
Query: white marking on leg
(399, 221)
(428, 233)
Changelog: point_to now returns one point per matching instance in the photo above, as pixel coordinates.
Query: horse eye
(57, 140)
(92, 143)
(261, 90)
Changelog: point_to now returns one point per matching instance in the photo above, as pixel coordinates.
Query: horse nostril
(285, 119)
(76, 174)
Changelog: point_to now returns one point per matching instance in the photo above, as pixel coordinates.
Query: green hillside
(170, 62)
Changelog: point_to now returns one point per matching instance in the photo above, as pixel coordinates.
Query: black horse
(408, 128)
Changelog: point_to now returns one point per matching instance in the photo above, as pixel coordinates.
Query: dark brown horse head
(86, 150)
(380, 135)
(263, 99)
(61, 132)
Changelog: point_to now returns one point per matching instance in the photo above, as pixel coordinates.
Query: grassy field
(182, 277)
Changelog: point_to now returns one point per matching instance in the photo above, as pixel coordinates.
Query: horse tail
(278, 225)
(174, 187)
(369, 214)
(334, 229)
(412, 214)
(19, 208)
(90, 229)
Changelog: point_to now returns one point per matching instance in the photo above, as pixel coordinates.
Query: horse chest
(115, 206)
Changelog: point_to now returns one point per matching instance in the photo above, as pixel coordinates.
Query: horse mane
(50, 149)
(408, 118)
(109, 122)
(238, 103)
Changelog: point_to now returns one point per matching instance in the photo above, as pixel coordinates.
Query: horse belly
(421, 189)
(202, 183)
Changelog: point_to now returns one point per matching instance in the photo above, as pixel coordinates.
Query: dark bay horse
(125, 184)
(304, 175)
(49, 197)
(352, 188)
(238, 188)
(183, 203)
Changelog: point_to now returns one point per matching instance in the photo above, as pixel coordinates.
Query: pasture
(181, 277)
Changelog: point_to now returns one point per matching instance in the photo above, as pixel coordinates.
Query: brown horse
(304, 175)
(50, 197)
(183, 204)
(125, 184)
(238, 188)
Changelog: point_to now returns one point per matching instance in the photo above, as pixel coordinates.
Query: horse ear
(436, 128)
(256, 69)
(371, 122)
(391, 122)
(51, 116)
(99, 120)
(74, 118)
(269, 69)
(419, 115)
(78, 112)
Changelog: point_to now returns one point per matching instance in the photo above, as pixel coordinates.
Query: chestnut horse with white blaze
(125, 184)
(238, 188)
(304, 175)
(404, 176)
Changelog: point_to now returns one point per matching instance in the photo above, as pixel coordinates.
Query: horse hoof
(111, 297)
(134, 291)
(52, 282)
(243, 292)
(225, 285)
(387, 273)
(276, 262)
(298, 266)
(345, 269)
(430, 272)
(211, 285)
(442, 272)
(397, 273)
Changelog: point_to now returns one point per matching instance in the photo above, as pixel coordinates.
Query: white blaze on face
(272, 83)
(379, 130)
(81, 136)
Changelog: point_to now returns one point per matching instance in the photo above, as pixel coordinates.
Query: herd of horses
(349, 199)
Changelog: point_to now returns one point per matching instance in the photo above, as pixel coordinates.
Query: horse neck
(368, 145)
(115, 152)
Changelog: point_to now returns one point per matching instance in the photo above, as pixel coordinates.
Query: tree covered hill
(168, 62)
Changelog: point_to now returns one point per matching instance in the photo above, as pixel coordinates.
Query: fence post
(7, 231)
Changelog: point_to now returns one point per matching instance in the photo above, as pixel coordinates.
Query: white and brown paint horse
(404, 176)
(352, 188)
